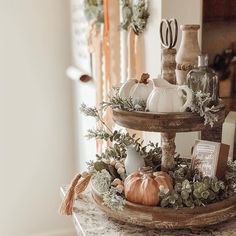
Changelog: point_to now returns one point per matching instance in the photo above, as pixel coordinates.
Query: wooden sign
(229, 134)
(210, 158)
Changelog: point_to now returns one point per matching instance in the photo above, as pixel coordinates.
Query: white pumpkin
(137, 90)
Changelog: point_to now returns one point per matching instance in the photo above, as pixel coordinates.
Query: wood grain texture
(167, 218)
(163, 122)
(168, 150)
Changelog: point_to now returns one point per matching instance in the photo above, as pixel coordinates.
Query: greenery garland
(135, 17)
(200, 105)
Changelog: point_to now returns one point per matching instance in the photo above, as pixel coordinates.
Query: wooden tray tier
(163, 122)
(168, 124)
(168, 218)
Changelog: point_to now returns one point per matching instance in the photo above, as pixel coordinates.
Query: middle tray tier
(163, 122)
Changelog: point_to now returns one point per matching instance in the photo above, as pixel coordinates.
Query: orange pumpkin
(164, 180)
(143, 187)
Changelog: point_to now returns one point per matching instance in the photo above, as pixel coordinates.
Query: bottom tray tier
(167, 218)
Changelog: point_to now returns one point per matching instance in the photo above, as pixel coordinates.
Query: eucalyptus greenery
(190, 189)
(120, 140)
(135, 17)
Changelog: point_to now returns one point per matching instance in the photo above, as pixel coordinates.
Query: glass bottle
(204, 79)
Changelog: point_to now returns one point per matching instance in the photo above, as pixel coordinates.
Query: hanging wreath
(93, 10)
(135, 17)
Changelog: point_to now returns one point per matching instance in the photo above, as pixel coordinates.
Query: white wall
(36, 133)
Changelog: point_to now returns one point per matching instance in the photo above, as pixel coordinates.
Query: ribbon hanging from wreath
(135, 21)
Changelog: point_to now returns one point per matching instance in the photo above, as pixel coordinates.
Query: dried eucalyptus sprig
(93, 112)
(201, 104)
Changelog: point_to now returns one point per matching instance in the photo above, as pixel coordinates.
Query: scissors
(170, 39)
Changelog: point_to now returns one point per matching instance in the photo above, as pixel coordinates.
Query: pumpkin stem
(144, 78)
(146, 170)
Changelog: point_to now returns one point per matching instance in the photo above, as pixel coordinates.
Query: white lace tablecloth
(89, 220)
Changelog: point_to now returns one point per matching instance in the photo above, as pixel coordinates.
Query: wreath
(134, 17)
(93, 10)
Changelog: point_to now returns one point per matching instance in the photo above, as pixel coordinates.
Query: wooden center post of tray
(168, 150)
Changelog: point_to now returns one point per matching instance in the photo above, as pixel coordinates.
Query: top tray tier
(164, 122)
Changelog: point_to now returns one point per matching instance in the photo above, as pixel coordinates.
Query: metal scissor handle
(170, 39)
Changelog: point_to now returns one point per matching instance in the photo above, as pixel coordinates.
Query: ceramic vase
(186, 57)
(134, 161)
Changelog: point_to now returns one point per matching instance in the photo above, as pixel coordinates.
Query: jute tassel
(82, 184)
(67, 203)
(77, 186)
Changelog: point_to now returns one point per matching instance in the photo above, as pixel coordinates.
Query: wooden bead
(121, 170)
(84, 174)
(116, 182)
(118, 165)
(120, 188)
(113, 162)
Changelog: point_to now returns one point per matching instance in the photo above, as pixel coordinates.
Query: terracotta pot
(186, 57)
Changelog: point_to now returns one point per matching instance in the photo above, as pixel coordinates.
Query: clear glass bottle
(203, 78)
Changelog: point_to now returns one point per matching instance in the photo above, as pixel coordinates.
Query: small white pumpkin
(137, 90)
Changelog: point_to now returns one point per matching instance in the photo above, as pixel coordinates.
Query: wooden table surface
(89, 220)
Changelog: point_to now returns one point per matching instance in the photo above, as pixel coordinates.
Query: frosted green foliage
(231, 176)
(127, 104)
(201, 105)
(90, 167)
(113, 199)
(102, 181)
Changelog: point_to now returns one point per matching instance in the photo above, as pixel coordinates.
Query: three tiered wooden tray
(156, 217)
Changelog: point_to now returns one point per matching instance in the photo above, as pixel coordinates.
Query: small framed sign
(210, 158)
